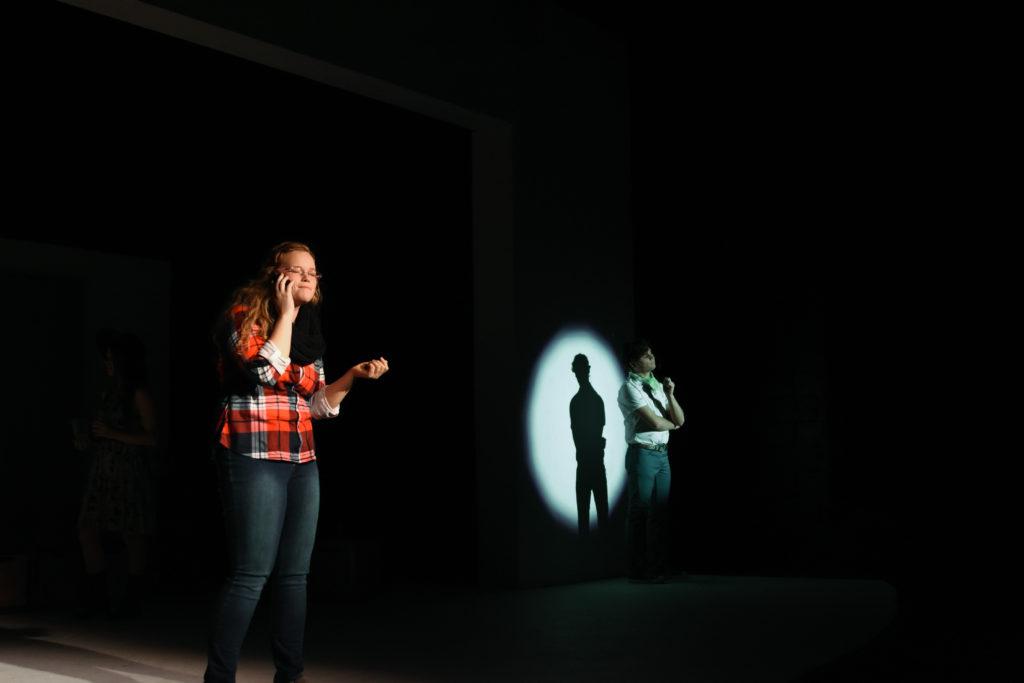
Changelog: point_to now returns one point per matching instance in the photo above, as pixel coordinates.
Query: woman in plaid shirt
(274, 387)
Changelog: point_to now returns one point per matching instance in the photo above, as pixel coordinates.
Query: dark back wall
(826, 272)
(202, 161)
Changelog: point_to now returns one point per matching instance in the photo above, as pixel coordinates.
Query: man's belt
(661, 447)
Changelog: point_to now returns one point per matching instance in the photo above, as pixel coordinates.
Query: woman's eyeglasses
(296, 270)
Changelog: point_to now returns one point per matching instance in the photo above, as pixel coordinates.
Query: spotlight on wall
(552, 453)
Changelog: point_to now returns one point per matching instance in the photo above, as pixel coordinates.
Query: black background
(809, 197)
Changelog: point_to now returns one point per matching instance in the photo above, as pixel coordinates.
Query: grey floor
(706, 628)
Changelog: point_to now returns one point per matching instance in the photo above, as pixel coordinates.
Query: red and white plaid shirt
(273, 420)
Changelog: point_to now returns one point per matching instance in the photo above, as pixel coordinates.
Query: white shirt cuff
(320, 407)
(270, 352)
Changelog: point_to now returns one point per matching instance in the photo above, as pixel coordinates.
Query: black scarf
(308, 341)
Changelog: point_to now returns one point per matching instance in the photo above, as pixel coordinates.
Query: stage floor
(705, 628)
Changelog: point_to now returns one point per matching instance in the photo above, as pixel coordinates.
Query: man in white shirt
(650, 411)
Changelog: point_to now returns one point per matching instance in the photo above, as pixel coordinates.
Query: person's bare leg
(92, 548)
(93, 598)
(136, 544)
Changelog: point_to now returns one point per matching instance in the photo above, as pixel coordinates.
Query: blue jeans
(270, 515)
(648, 478)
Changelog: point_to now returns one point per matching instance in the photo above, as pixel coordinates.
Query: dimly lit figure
(586, 417)
(650, 411)
(120, 492)
(272, 373)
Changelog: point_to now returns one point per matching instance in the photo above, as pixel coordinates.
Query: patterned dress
(119, 491)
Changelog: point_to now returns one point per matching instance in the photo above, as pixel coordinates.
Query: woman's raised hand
(371, 369)
(283, 295)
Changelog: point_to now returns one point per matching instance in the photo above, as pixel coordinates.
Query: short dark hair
(633, 350)
(128, 353)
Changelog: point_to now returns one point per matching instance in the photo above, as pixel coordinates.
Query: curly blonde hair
(258, 294)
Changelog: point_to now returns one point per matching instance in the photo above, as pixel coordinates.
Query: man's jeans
(270, 515)
(648, 478)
